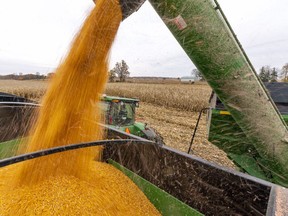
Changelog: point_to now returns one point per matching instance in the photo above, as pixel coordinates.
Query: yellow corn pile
(104, 191)
(71, 183)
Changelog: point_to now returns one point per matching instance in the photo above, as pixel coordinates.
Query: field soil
(171, 109)
(176, 127)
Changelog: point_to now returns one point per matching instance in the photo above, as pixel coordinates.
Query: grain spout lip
(128, 7)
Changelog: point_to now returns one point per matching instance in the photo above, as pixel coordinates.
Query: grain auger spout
(204, 33)
(129, 6)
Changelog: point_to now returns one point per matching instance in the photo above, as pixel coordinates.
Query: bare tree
(274, 75)
(265, 73)
(121, 69)
(197, 74)
(285, 72)
(112, 75)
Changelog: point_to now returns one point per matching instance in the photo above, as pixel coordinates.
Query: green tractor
(120, 114)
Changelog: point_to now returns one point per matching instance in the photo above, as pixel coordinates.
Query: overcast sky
(35, 34)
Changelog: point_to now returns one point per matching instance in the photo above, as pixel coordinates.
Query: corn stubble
(180, 96)
(72, 183)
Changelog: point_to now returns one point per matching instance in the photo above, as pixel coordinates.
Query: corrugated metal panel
(278, 91)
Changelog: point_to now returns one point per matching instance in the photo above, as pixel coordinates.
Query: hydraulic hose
(45, 152)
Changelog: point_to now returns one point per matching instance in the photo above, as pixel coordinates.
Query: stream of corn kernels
(73, 183)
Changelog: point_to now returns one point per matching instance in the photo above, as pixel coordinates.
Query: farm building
(188, 79)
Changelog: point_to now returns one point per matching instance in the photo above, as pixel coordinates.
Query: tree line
(266, 74)
(120, 71)
(269, 74)
(21, 76)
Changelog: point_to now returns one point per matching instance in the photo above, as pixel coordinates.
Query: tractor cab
(120, 114)
(120, 111)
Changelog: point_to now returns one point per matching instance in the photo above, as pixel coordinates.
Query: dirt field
(176, 127)
(172, 109)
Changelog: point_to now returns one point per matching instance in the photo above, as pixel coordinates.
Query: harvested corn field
(181, 96)
(31, 89)
(184, 97)
(176, 127)
(163, 117)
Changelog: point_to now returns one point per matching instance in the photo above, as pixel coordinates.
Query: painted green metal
(285, 117)
(108, 100)
(8, 148)
(135, 129)
(164, 202)
(111, 98)
(249, 165)
(202, 32)
(225, 133)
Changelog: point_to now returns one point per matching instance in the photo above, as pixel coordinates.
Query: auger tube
(203, 33)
